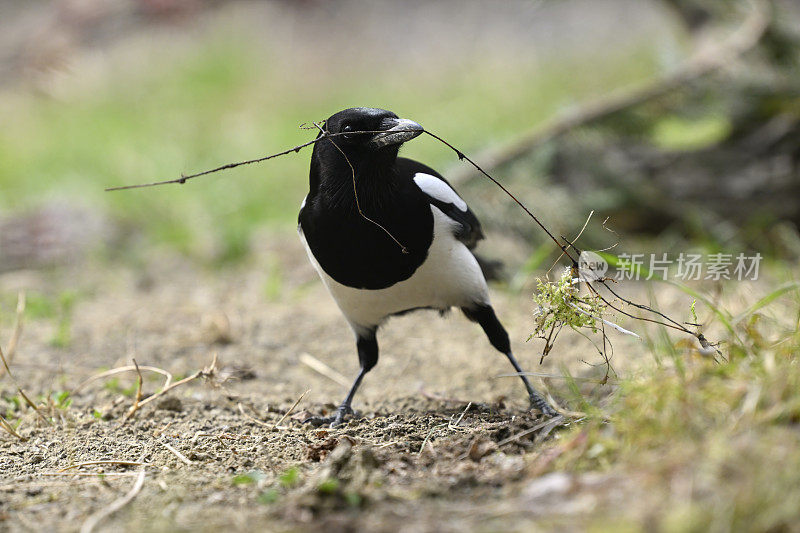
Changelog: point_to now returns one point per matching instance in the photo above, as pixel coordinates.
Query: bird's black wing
(446, 199)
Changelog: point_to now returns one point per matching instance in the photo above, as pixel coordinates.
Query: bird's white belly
(449, 276)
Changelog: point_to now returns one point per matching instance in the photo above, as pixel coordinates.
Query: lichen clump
(560, 304)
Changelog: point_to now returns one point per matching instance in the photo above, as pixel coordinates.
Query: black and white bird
(389, 235)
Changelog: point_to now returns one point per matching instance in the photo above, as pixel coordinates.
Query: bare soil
(439, 443)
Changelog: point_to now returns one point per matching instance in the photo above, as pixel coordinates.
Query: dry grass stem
(12, 346)
(121, 370)
(575, 415)
(554, 421)
(320, 367)
(206, 372)
(90, 474)
(287, 413)
(104, 462)
(547, 375)
(159, 432)
(440, 398)
(10, 429)
(428, 437)
(11, 349)
(32, 405)
(138, 399)
(251, 417)
(94, 520)
(138, 403)
(460, 418)
(179, 455)
(604, 321)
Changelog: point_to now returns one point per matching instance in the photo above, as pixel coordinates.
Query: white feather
(450, 276)
(435, 187)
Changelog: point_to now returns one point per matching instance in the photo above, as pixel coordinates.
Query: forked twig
(139, 401)
(203, 373)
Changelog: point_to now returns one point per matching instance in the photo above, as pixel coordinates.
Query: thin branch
(461, 155)
(184, 178)
(355, 194)
(606, 322)
(645, 308)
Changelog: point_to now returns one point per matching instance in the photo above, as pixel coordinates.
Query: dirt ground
(439, 442)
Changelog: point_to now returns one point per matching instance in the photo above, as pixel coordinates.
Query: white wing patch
(433, 186)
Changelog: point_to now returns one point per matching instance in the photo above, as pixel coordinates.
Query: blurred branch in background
(710, 144)
(704, 62)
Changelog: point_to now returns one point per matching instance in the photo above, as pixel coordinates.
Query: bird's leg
(484, 315)
(537, 401)
(368, 356)
(345, 409)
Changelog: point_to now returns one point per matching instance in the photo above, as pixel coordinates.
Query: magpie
(389, 235)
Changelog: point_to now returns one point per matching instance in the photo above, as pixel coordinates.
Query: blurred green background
(121, 95)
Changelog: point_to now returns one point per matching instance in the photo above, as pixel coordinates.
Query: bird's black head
(391, 132)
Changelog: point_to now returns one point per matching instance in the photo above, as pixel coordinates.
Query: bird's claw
(330, 421)
(537, 402)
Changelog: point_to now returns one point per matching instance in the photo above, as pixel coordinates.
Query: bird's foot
(330, 421)
(538, 402)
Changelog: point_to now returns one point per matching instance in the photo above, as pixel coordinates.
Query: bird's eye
(346, 128)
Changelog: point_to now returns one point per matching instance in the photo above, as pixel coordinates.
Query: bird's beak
(395, 131)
